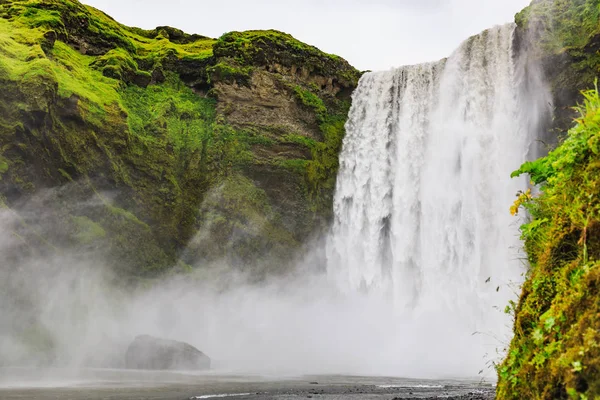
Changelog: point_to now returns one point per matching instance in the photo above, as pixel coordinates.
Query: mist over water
(421, 223)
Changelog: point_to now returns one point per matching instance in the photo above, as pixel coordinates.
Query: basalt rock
(150, 353)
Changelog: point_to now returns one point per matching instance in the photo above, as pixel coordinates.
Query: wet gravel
(118, 385)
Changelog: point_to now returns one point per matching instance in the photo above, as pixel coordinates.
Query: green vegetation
(3, 167)
(325, 158)
(562, 24)
(566, 34)
(170, 112)
(228, 72)
(555, 353)
(311, 100)
(87, 230)
(240, 222)
(274, 47)
(120, 65)
(137, 121)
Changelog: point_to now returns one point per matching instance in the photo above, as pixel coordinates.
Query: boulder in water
(147, 352)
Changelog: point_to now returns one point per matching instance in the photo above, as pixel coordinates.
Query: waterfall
(424, 189)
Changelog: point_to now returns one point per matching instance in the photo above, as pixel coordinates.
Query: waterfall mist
(422, 257)
(68, 311)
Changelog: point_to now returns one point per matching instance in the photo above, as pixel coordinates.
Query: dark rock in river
(147, 352)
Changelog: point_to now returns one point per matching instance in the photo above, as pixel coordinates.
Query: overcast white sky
(370, 34)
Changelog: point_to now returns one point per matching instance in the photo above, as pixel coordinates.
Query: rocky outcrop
(294, 99)
(147, 352)
(564, 37)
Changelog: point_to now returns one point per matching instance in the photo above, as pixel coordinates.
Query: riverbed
(102, 384)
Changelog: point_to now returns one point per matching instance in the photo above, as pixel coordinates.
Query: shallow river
(93, 384)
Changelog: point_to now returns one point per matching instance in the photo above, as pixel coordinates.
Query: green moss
(294, 165)
(169, 113)
(240, 223)
(271, 47)
(128, 216)
(272, 37)
(322, 169)
(565, 34)
(227, 72)
(154, 48)
(555, 352)
(70, 19)
(86, 230)
(92, 103)
(35, 17)
(562, 24)
(3, 167)
(65, 174)
(311, 100)
(95, 92)
(299, 139)
(119, 64)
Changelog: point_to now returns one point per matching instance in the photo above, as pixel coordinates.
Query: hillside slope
(158, 148)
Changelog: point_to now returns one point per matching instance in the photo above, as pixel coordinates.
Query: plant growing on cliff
(561, 24)
(555, 352)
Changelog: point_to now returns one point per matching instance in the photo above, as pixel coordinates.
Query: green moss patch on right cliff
(560, 24)
(555, 353)
(566, 35)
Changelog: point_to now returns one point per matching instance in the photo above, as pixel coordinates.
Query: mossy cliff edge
(564, 37)
(555, 352)
(169, 148)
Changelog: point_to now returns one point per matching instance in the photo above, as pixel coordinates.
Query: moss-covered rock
(276, 49)
(149, 125)
(555, 353)
(566, 36)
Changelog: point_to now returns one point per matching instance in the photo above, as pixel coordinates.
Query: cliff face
(160, 148)
(555, 352)
(565, 38)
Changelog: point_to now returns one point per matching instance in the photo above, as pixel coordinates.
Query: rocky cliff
(563, 36)
(555, 352)
(158, 148)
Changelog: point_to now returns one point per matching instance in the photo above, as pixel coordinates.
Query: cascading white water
(424, 188)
